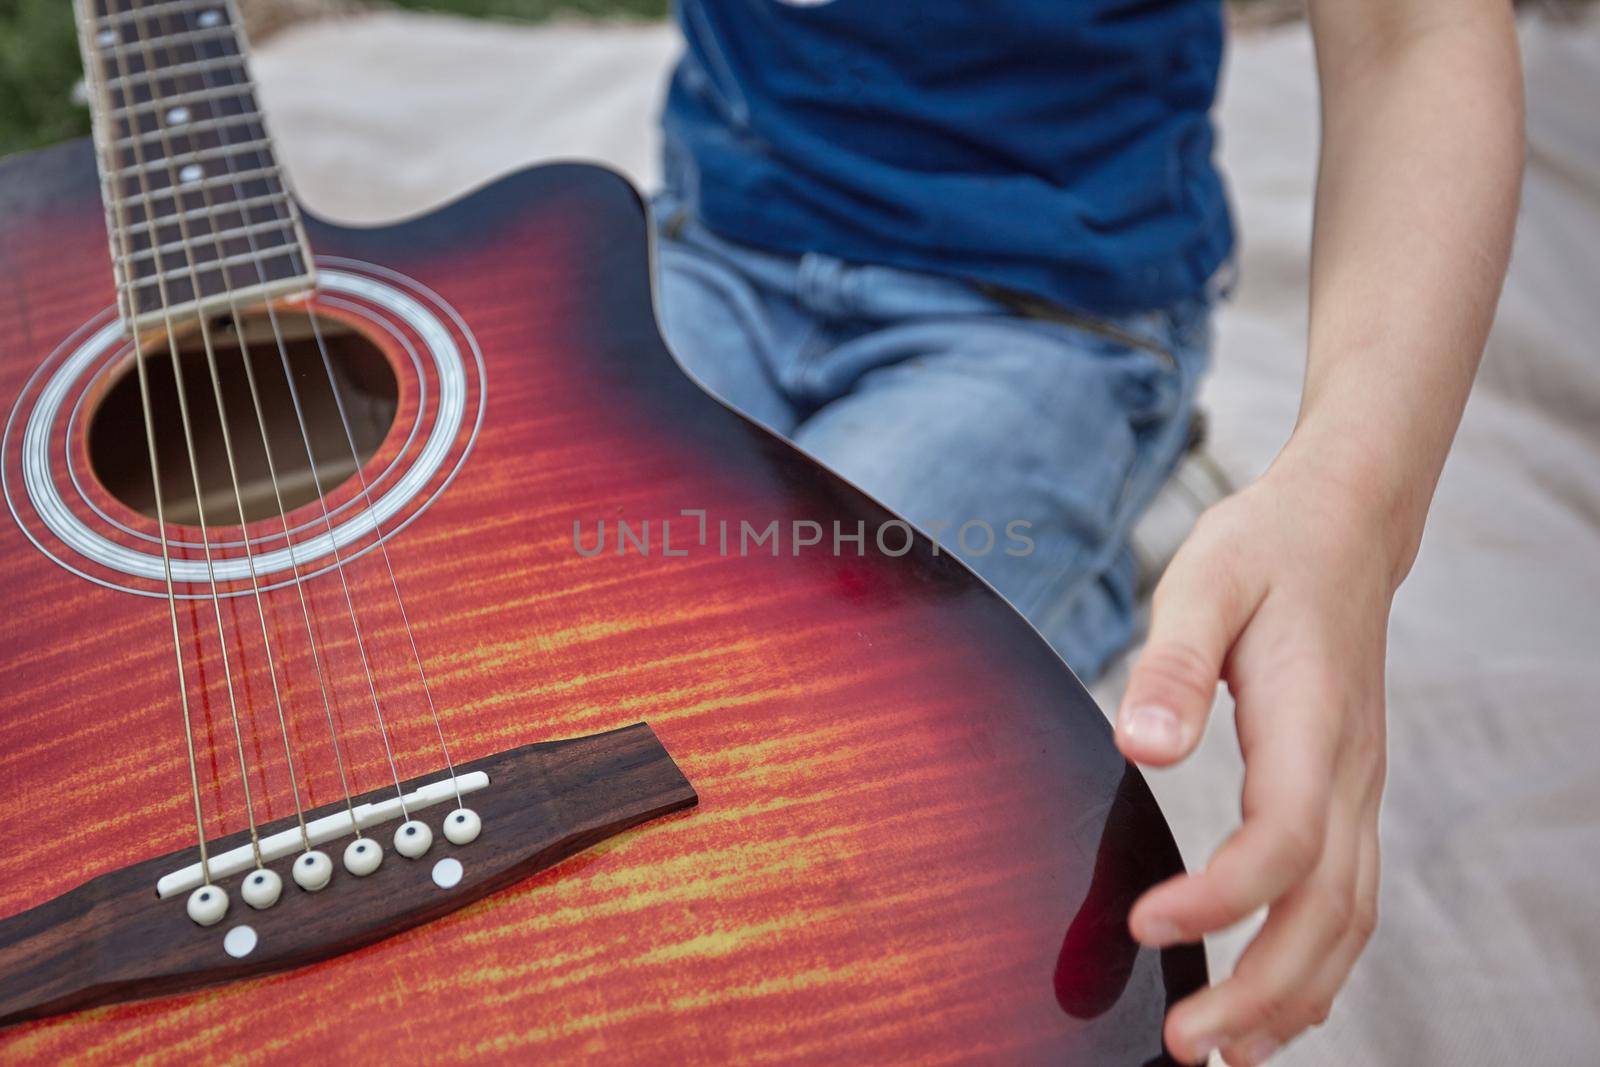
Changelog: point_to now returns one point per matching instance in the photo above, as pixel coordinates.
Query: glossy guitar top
(914, 839)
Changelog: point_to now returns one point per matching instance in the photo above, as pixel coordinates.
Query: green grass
(38, 67)
(39, 57)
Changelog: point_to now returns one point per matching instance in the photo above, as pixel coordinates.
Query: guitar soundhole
(366, 385)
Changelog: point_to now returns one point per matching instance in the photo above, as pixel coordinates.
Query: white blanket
(1489, 946)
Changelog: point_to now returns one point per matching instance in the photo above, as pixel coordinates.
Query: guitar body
(914, 839)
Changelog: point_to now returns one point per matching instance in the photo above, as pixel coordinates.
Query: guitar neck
(198, 211)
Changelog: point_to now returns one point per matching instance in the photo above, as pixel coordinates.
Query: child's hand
(1283, 592)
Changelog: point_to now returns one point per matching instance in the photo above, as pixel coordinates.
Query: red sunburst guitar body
(914, 839)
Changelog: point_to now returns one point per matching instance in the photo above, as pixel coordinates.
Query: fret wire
(197, 155)
(249, 230)
(116, 202)
(210, 182)
(222, 32)
(211, 266)
(194, 41)
(287, 204)
(247, 204)
(134, 111)
(113, 19)
(198, 126)
(135, 92)
(201, 96)
(233, 63)
(256, 293)
(208, 98)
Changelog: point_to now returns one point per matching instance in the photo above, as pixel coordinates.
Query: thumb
(1197, 612)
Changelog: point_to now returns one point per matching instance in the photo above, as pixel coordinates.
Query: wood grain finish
(915, 841)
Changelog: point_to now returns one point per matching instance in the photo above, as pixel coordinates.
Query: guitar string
(383, 549)
(366, 492)
(327, 520)
(116, 52)
(366, 495)
(165, 140)
(339, 563)
(261, 422)
(93, 72)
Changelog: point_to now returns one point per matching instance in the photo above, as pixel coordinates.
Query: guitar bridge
(112, 939)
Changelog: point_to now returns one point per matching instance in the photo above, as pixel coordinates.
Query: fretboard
(199, 214)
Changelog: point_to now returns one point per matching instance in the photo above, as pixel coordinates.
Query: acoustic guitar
(406, 661)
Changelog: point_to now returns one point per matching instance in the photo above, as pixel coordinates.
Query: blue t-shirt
(1061, 148)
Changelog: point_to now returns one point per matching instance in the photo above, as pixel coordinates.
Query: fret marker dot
(210, 18)
(192, 173)
(239, 942)
(177, 116)
(447, 873)
(107, 38)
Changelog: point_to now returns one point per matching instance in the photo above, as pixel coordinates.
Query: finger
(1197, 611)
(1331, 977)
(1286, 801)
(1273, 1001)
(1266, 1002)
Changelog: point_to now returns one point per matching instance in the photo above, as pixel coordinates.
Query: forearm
(1416, 201)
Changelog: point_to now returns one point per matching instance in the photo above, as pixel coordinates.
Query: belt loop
(820, 286)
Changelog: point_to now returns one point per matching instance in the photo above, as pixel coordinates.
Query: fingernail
(1153, 726)
(1159, 933)
(1258, 1049)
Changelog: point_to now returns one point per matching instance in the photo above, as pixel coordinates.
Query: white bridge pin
(261, 888)
(462, 826)
(362, 856)
(376, 822)
(208, 904)
(413, 838)
(312, 871)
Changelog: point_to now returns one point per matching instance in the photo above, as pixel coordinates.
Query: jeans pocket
(1149, 375)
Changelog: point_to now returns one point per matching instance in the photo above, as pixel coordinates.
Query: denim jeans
(966, 411)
